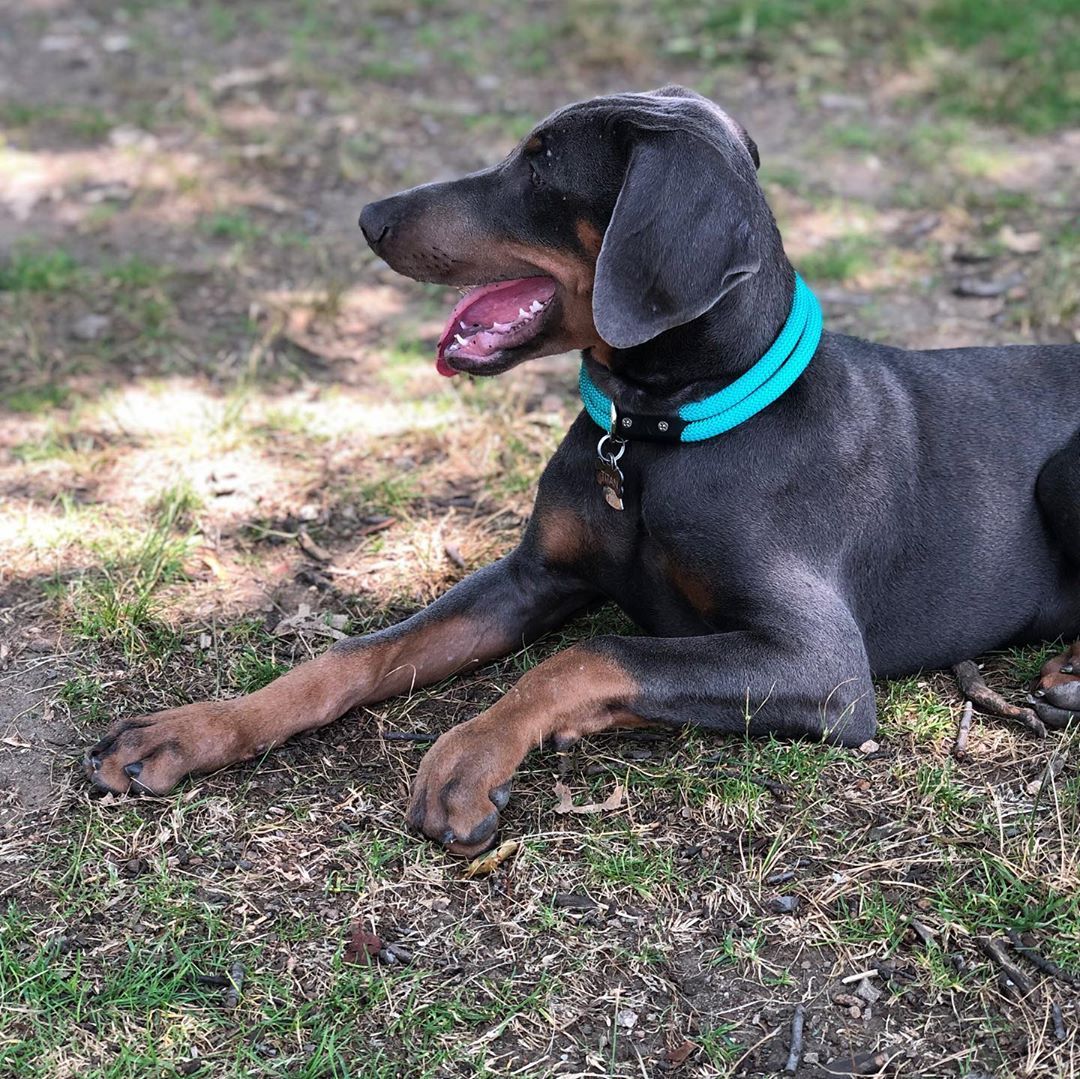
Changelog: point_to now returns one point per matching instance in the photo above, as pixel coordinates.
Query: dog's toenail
(501, 795)
(133, 769)
(95, 761)
(447, 837)
(1067, 669)
(1040, 693)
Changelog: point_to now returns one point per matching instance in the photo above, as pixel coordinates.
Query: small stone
(90, 327)
(784, 904)
(400, 953)
(869, 746)
(841, 102)
(626, 1019)
(573, 901)
(868, 992)
(116, 42)
(60, 42)
(983, 288)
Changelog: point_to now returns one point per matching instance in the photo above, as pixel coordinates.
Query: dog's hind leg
(1056, 691)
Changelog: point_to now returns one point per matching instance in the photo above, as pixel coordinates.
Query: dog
(889, 511)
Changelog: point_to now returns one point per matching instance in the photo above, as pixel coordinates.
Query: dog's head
(614, 220)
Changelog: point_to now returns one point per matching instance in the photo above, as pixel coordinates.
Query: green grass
(36, 399)
(840, 259)
(1016, 64)
(985, 59)
(85, 695)
(118, 602)
(84, 122)
(235, 226)
(34, 270)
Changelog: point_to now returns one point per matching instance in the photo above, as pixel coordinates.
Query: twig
(975, 689)
(964, 730)
(409, 736)
(1047, 966)
(777, 789)
(798, 1020)
(851, 978)
(994, 951)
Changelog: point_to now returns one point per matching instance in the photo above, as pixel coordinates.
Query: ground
(223, 443)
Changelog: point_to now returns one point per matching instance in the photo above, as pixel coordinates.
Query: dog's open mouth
(492, 319)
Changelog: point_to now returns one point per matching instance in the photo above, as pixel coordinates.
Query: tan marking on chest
(563, 535)
(696, 589)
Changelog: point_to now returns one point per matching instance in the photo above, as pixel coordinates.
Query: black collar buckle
(636, 427)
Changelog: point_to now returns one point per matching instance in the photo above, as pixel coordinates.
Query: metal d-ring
(610, 458)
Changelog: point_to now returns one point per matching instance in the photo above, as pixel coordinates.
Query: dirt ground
(223, 443)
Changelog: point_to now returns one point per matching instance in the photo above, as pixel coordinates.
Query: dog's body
(892, 511)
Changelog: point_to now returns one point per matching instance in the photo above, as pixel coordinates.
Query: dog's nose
(375, 222)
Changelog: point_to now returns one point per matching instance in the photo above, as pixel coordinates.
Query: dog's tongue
(492, 317)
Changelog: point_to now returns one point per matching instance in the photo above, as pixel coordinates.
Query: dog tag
(610, 480)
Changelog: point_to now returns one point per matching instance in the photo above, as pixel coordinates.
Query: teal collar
(695, 421)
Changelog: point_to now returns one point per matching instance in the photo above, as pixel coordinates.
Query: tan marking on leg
(575, 693)
(563, 536)
(1051, 674)
(203, 737)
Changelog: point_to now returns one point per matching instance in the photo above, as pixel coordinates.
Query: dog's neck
(691, 362)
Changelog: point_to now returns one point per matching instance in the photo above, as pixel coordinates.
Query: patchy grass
(33, 270)
(119, 602)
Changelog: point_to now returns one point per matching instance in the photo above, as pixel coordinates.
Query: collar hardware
(752, 391)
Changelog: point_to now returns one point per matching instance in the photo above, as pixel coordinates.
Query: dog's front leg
(485, 616)
(814, 681)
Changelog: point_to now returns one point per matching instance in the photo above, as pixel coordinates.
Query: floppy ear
(680, 237)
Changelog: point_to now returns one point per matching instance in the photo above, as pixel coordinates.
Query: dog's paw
(462, 784)
(1054, 718)
(151, 754)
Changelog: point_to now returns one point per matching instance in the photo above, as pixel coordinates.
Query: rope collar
(696, 421)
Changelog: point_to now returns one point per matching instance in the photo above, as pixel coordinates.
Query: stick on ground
(963, 731)
(1047, 966)
(975, 689)
(798, 1021)
(994, 951)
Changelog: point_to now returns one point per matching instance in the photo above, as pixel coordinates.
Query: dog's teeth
(535, 306)
(522, 313)
(501, 327)
(459, 339)
(463, 326)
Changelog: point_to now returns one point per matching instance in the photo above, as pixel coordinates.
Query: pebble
(784, 904)
(626, 1019)
(90, 327)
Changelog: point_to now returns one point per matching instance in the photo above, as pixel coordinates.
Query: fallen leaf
(565, 802)
(680, 1054)
(362, 947)
(1020, 243)
(488, 863)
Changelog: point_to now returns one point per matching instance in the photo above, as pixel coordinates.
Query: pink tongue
(488, 304)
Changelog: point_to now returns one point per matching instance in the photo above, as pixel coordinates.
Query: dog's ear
(680, 237)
